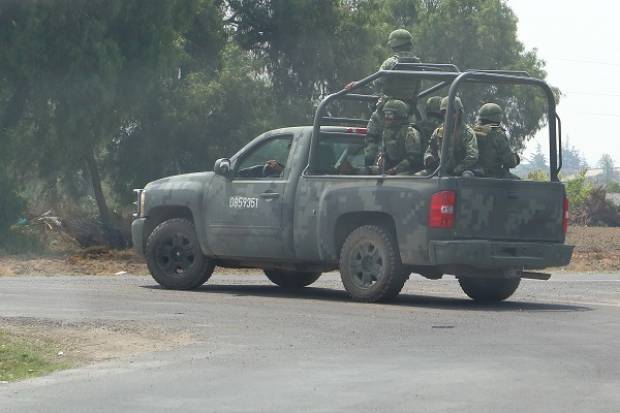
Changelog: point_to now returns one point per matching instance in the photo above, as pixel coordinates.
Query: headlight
(141, 196)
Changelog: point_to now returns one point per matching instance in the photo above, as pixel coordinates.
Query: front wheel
(292, 279)
(174, 257)
(370, 265)
(489, 290)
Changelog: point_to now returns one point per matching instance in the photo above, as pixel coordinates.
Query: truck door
(245, 213)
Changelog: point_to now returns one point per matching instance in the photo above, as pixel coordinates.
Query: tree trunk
(93, 171)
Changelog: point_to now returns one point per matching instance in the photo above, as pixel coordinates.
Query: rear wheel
(370, 265)
(292, 279)
(489, 290)
(174, 257)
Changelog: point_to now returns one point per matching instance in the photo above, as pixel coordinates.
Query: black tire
(370, 265)
(292, 279)
(174, 257)
(489, 290)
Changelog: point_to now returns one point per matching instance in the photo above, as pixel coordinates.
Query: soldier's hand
(349, 85)
(345, 168)
(275, 166)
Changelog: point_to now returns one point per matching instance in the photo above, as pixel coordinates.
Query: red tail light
(360, 131)
(565, 216)
(442, 210)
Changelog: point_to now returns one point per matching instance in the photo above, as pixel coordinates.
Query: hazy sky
(580, 43)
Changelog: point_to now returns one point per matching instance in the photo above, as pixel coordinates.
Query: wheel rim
(175, 254)
(367, 265)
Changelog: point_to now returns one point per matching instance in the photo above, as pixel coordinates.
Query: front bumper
(137, 235)
(492, 254)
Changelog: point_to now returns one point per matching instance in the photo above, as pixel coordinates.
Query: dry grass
(597, 249)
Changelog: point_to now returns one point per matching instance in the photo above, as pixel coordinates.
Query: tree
(572, 159)
(606, 163)
(538, 160)
(483, 34)
(79, 68)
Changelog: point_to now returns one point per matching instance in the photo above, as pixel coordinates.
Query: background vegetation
(98, 97)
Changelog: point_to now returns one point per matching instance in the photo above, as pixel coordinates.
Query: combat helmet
(399, 37)
(397, 107)
(433, 105)
(491, 112)
(457, 103)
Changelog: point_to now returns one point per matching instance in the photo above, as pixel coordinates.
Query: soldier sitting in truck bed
(496, 157)
(464, 161)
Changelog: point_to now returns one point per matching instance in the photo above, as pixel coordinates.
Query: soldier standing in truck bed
(496, 157)
(402, 89)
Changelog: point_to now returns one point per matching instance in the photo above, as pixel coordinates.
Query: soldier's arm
(387, 65)
(371, 150)
(471, 152)
(412, 161)
(431, 155)
(508, 158)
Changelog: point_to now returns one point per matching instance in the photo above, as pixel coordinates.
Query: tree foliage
(100, 96)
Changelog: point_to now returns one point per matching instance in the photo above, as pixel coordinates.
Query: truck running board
(535, 275)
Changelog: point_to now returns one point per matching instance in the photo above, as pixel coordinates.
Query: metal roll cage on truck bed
(445, 75)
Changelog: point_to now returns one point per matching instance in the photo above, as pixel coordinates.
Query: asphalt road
(554, 347)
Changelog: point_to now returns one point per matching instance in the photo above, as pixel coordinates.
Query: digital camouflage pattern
(433, 107)
(491, 113)
(308, 220)
(403, 147)
(399, 38)
(465, 156)
(403, 144)
(402, 89)
(496, 157)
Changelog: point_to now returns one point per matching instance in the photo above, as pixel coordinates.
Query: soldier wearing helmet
(464, 159)
(496, 157)
(432, 121)
(400, 150)
(405, 90)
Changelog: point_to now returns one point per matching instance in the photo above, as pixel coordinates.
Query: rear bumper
(137, 235)
(491, 254)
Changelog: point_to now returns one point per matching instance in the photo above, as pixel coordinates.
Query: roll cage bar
(445, 75)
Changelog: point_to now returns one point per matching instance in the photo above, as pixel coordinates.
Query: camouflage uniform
(465, 146)
(394, 88)
(403, 144)
(432, 122)
(496, 157)
(403, 150)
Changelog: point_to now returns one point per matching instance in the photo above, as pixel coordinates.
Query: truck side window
(267, 160)
(335, 151)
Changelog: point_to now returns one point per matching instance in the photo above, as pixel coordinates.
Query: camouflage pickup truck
(295, 217)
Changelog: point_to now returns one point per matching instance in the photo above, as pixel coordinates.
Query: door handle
(269, 195)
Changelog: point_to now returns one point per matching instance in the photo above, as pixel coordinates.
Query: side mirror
(222, 167)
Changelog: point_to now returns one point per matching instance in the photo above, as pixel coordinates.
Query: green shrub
(538, 175)
(578, 190)
(11, 208)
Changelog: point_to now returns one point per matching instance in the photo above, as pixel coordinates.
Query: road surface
(553, 347)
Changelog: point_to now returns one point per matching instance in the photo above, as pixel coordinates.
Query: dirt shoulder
(34, 347)
(596, 249)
